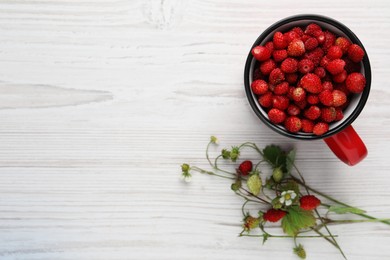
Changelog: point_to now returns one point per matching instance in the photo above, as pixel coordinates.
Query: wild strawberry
(269, 46)
(339, 98)
(307, 125)
(320, 128)
(329, 40)
(296, 48)
(339, 114)
(343, 43)
(250, 223)
(309, 202)
(267, 66)
(315, 55)
(355, 53)
(324, 61)
(320, 72)
(305, 66)
(293, 124)
(276, 116)
(335, 66)
(279, 41)
(328, 114)
(312, 99)
(299, 94)
(274, 215)
(259, 87)
(312, 113)
(326, 97)
(334, 52)
(289, 65)
(298, 30)
(313, 29)
(290, 36)
(276, 76)
(311, 44)
(321, 38)
(311, 83)
(281, 88)
(245, 167)
(305, 37)
(301, 104)
(280, 102)
(341, 77)
(279, 55)
(351, 66)
(327, 85)
(293, 110)
(291, 77)
(355, 82)
(261, 53)
(266, 100)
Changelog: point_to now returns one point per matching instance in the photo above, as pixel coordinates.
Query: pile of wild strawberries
(306, 78)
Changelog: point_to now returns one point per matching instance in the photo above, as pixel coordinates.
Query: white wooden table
(101, 101)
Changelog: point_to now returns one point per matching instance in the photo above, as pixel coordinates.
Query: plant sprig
(296, 210)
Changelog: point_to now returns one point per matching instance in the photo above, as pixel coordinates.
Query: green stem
(195, 168)
(219, 169)
(283, 236)
(257, 197)
(246, 198)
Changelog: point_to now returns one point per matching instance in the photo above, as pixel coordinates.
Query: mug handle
(347, 146)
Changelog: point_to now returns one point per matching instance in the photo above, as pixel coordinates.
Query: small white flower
(186, 177)
(287, 197)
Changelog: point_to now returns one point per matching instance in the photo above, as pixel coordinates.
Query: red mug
(341, 138)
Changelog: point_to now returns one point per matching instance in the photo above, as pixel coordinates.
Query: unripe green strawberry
(277, 174)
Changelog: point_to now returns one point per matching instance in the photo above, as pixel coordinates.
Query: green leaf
(272, 153)
(297, 219)
(290, 185)
(265, 237)
(254, 184)
(344, 210)
(290, 160)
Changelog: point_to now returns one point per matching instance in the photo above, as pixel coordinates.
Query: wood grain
(101, 101)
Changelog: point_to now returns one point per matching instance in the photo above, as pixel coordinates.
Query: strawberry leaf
(297, 219)
(344, 210)
(290, 160)
(272, 153)
(254, 184)
(290, 185)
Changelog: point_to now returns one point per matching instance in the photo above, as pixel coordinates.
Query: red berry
(245, 167)
(339, 114)
(280, 102)
(321, 38)
(289, 65)
(326, 97)
(298, 30)
(334, 52)
(341, 77)
(355, 53)
(324, 61)
(281, 88)
(335, 66)
(296, 48)
(339, 98)
(328, 114)
(267, 66)
(269, 46)
(279, 55)
(266, 99)
(343, 43)
(299, 94)
(305, 66)
(309, 202)
(291, 77)
(293, 110)
(293, 124)
(327, 85)
(276, 116)
(261, 53)
(307, 125)
(312, 99)
(329, 40)
(315, 55)
(291, 35)
(274, 215)
(320, 128)
(276, 76)
(301, 104)
(313, 29)
(312, 113)
(311, 43)
(355, 82)
(320, 72)
(279, 41)
(311, 83)
(342, 87)
(259, 87)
